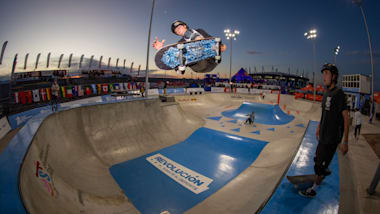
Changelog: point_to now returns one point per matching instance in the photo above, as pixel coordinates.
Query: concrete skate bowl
(202, 104)
(264, 113)
(300, 107)
(66, 168)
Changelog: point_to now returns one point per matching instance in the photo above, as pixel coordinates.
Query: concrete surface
(75, 148)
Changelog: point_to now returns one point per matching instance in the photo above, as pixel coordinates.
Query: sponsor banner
(242, 90)
(172, 91)
(20, 119)
(217, 90)
(153, 92)
(195, 91)
(188, 178)
(260, 91)
(4, 127)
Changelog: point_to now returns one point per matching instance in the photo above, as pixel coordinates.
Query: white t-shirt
(357, 118)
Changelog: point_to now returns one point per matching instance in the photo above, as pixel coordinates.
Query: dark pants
(323, 156)
(204, 66)
(357, 129)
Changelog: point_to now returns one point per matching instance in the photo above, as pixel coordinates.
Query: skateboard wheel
(180, 46)
(218, 57)
(181, 68)
(218, 39)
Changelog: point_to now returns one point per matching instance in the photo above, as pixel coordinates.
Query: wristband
(345, 142)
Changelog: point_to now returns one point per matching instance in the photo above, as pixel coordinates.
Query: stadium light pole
(231, 35)
(312, 35)
(336, 52)
(359, 3)
(147, 51)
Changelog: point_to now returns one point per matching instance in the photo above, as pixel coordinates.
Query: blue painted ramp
(180, 176)
(264, 113)
(286, 198)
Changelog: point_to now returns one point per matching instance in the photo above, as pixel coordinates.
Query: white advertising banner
(153, 92)
(188, 178)
(217, 90)
(242, 90)
(194, 90)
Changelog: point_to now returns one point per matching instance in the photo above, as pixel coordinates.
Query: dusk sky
(271, 31)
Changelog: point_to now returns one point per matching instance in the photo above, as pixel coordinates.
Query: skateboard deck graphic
(301, 181)
(180, 55)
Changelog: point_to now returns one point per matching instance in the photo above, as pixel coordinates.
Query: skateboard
(301, 181)
(180, 55)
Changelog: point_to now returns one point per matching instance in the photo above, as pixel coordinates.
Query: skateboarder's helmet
(177, 23)
(332, 68)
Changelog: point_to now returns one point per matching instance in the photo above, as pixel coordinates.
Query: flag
(22, 96)
(121, 85)
(43, 94)
(36, 96)
(93, 86)
(125, 86)
(105, 88)
(129, 86)
(75, 91)
(29, 96)
(99, 87)
(63, 91)
(80, 91)
(69, 91)
(17, 99)
(88, 91)
(111, 87)
(117, 86)
(48, 93)
(134, 86)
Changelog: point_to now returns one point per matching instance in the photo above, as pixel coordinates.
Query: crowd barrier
(194, 91)
(242, 90)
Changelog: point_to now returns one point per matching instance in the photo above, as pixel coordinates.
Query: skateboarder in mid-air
(180, 28)
(333, 126)
(250, 119)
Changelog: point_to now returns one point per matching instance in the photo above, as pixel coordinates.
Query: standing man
(333, 126)
(357, 123)
(55, 95)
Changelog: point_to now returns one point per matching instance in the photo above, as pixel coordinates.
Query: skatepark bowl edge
(121, 157)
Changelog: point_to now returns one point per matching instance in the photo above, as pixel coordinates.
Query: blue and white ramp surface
(286, 198)
(178, 177)
(264, 113)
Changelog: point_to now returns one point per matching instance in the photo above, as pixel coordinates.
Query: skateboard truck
(181, 66)
(218, 58)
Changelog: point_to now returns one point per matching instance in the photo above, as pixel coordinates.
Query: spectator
(357, 122)
(54, 95)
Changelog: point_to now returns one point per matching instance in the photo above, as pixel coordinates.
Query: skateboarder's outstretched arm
(157, 44)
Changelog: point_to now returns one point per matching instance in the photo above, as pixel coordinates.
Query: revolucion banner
(188, 178)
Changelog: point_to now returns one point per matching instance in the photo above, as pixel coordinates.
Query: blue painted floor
(208, 156)
(286, 198)
(264, 113)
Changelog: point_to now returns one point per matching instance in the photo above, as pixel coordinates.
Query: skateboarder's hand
(343, 148)
(157, 44)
